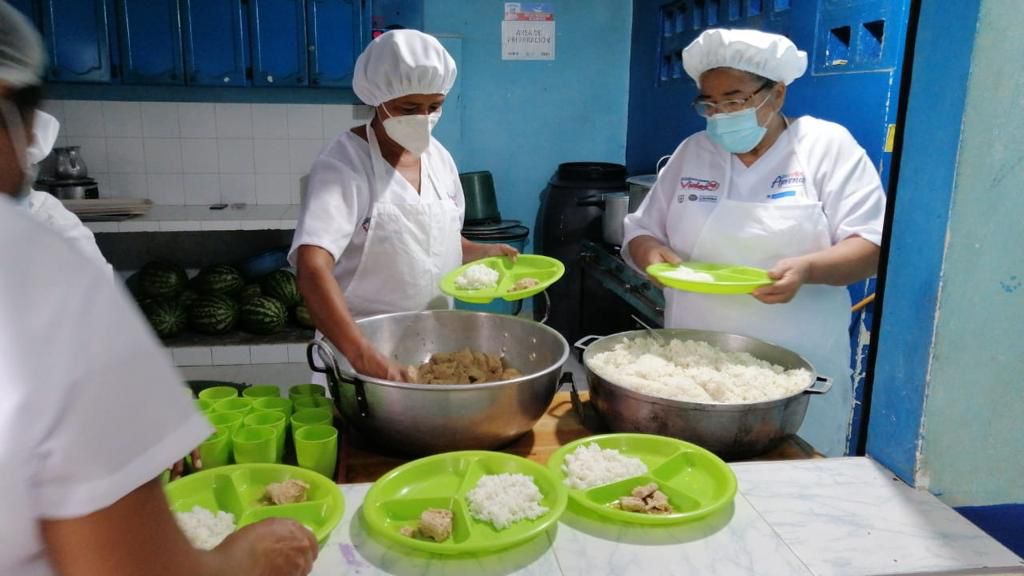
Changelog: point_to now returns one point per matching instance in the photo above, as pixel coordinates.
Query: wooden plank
(559, 426)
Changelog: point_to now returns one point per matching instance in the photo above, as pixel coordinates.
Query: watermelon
(302, 317)
(213, 314)
(249, 291)
(166, 316)
(187, 297)
(281, 284)
(262, 315)
(219, 279)
(161, 280)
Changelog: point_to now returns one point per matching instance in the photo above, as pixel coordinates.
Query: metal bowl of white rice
(754, 397)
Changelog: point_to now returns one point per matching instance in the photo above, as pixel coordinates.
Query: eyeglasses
(709, 109)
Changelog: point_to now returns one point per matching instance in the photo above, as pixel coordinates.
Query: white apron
(814, 324)
(409, 246)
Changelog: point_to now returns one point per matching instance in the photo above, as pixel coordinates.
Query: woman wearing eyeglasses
(796, 196)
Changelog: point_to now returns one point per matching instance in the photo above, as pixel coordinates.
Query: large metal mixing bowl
(729, 430)
(429, 418)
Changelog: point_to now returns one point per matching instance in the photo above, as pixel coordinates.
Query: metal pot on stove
(616, 206)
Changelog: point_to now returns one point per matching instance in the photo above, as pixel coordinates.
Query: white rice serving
(204, 529)
(504, 499)
(695, 371)
(689, 274)
(590, 465)
(477, 277)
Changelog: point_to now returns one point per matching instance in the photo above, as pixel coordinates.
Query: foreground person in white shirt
(90, 408)
(798, 197)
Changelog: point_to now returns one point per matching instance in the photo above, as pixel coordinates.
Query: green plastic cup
(254, 444)
(306, 390)
(216, 449)
(218, 393)
(205, 406)
(282, 405)
(234, 405)
(230, 421)
(261, 391)
(304, 402)
(275, 420)
(316, 448)
(310, 417)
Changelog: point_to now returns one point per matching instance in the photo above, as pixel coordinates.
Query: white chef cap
(769, 55)
(402, 62)
(22, 60)
(44, 135)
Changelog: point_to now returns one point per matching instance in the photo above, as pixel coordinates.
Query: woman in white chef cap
(381, 219)
(796, 196)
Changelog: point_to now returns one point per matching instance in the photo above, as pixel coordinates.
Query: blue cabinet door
(216, 53)
(26, 7)
(279, 50)
(77, 35)
(149, 35)
(335, 39)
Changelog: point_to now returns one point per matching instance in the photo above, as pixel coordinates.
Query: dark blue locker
(278, 38)
(149, 35)
(26, 7)
(77, 36)
(214, 33)
(335, 39)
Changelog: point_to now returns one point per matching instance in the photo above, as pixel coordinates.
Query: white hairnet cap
(22, 60)
(402, 62)
(770, 55)
(44, 135)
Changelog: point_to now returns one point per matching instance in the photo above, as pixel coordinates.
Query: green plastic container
(316, 449)
(306, 390)
(234, 405)
(218, 393)
(306, 402)
(275, 420)
(725, 278)
(239, 489)
(215, 451)
(230, 421)
(254, 444)
(282, 405)
(261, 391)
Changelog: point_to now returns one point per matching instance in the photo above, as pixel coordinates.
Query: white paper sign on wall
(528, 31)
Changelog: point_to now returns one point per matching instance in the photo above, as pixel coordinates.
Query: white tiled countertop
(828, 517)
(161, 218)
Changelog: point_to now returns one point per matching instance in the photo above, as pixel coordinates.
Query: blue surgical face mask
(737, 132)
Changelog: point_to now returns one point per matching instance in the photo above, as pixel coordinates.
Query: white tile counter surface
(161, 218)
(832, 517)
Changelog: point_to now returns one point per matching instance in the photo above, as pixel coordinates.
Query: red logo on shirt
(698, 184)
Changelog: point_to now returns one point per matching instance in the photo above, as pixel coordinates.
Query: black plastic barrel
(570, 211)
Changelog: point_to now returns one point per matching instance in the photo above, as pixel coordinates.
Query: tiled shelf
(203, 219)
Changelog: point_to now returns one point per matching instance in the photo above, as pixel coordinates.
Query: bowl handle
(334, 373)
(826, 385)
(586, 341)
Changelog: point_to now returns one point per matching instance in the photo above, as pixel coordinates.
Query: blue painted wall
(521, 119)
(921, 214)
(972, 439)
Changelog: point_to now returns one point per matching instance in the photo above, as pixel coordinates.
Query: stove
(612, 293)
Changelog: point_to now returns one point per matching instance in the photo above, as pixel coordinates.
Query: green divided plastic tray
(239, 488)
(728, 279)
(697, 482)
(546, 270)
(442, 481)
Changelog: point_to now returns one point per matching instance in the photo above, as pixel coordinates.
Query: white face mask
(15, 130)
(411, 132)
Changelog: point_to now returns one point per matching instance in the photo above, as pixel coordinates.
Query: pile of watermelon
(217, 300)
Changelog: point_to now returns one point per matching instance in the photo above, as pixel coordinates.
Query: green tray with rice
(443, 481)
(710, 278)
(697, 482)
(239, 489)
(545, 270)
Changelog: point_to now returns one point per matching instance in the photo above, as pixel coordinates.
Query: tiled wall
(201, 153)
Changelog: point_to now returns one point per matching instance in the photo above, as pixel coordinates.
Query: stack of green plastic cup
(316, 448)
(217, 393)
(241, 406)
(274, 420)
(255, 444)
(216, 449)
(306, 390)
(261, 391)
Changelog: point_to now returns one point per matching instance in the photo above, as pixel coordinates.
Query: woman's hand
(178, 468)
(647, 251)
(789, 275)
(368, 361)
(472, 251)
(273, 547)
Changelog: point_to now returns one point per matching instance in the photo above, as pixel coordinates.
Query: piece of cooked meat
(463, 367)
(287, 492)
(631, 504)
(658, 503)
(524, 284)
(407, 531)
(642, 492)
(436, 524)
